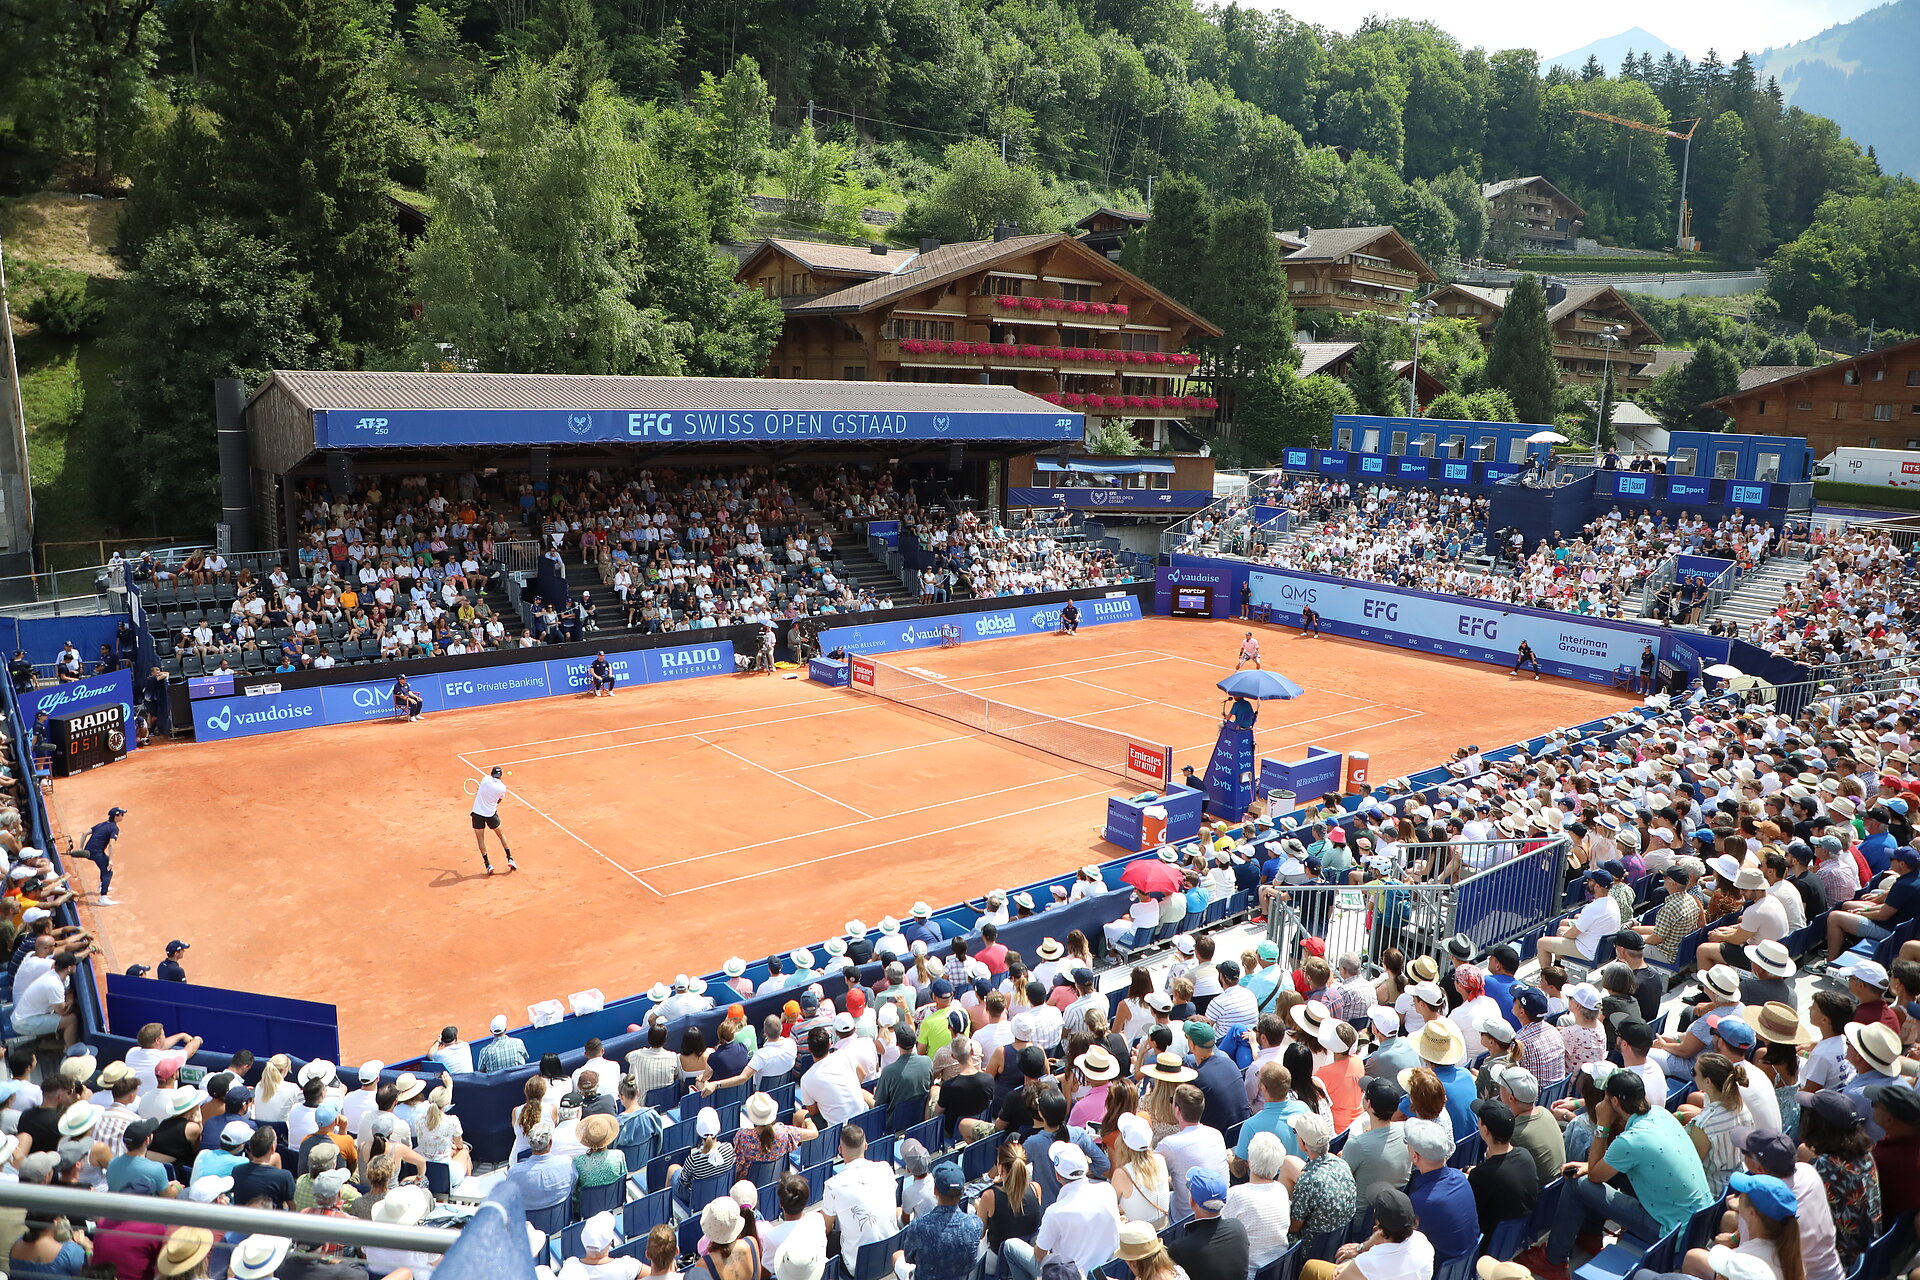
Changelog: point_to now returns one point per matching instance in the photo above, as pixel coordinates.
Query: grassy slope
(52, 237)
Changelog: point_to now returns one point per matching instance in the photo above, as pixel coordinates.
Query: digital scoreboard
(1191, 602)
(88, 739)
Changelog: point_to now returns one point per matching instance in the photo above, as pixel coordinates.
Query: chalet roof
(1659, 362)
(848, 259)
(950, 261)
(1760, 375)
(1330, 244)
(1866, 359)
(1124, 215)
(1494, 190)
(1318, 357)
(1577, 296)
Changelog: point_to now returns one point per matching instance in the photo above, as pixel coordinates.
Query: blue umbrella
(1260, 685)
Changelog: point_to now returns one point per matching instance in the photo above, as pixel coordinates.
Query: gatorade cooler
(1356, 771)
(1153, 826)
(1280, 804)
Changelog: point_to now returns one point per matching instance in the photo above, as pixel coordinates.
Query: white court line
(807, 835)
(783, 777)
(635, 728)
(1150, 702)
(1008, 684)
(572, 836)
(885, 844)
(674, 737)
(1327, 737)
(868, 755)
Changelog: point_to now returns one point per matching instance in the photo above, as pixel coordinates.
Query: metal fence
(1229, 520)
(1492, 891)
(1835, 681)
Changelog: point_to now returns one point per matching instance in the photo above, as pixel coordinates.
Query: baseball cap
(1393, 1212)
(1202, 1034)
(942, 988)
(1497, 1116)
(1520, 1082)
(177, 946)
(1207, 1188)
(1902, 1101)
(597, 1233)
(1772, 1148)
(499, 1023)
(1836, 1108)
(1069, 1161)
(1531, 998)
(116, 812)
(948, 1179)
(1772, 1197)
(1871, 972)
(209, 1187)
(1733, 1031)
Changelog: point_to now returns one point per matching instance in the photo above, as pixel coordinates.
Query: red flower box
(1116, 357)
(981, 348)
(1098, 308)
(1005, 349)
(1078, 308)
(1190, 402)
(1007, 300)
(1136, 402)
(1156, 357)
(1028, 351)
(1032, 304)
(1118, 308)
(1056, 304)
(1051, 353)
(1208, 402)
(1156, 402)
(912, 346)
(1072, 399)
(1116, 402)
(1136, 357)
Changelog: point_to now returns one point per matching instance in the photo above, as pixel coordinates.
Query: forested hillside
(578, 160)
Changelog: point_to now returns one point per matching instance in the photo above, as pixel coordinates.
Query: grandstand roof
(288, 415)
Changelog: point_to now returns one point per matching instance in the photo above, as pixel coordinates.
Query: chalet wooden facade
(1543, 215)
(1353, 270)
(1043, 313)
(1871, 401)
(1579, 317)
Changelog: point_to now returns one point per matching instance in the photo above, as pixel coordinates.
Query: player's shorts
(485, 821)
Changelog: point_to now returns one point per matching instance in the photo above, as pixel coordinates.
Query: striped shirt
(653, 1068)
(1542, 1051)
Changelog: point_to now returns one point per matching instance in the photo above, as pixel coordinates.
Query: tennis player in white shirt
(486, 817)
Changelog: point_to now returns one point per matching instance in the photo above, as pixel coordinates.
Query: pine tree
(1370, 375)
(1520, 358)
(1679, 395)
(1246, 289)
(1743, 221)
(1170, 252)
(308, 138)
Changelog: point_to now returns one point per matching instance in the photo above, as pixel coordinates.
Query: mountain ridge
(1858, 74)
(1611, 49)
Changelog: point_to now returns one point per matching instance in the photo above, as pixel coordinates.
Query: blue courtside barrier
(1003, 623)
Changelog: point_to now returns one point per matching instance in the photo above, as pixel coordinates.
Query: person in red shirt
(992, 952)
(1867, 984)
(1896, 1109)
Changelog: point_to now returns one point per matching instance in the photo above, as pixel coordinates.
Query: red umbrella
(1151, 875)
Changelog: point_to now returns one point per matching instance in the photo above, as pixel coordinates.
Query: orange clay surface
(667, 828)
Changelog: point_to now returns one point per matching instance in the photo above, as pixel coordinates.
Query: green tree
(1112, 436)
(1450, 405)
(1246, 285)
(1370, 375)
(1678, 396)
(975, 191)
(1520, 357)
(811, 171)
(1279, 408)
(738, 112)
(567, 27)
(1743, 219)
(1428, 223)
(77, 73)
(207, 302)
(1170, 252)
(308, 137)
(514, 289)
(1492, 404)
(1461, 194)
(721, 329)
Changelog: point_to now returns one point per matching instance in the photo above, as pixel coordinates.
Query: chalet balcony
(1030, 355)
(1367, 273)
(1119, 406)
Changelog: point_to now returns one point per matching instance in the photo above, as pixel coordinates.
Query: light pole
(1609, 339)
(1418, 314)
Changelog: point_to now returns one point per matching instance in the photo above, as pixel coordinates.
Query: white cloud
(1724, 25)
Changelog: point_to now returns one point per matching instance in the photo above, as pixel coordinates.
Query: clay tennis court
(667, 828)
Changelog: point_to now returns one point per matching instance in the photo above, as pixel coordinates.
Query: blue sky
(1551, 29)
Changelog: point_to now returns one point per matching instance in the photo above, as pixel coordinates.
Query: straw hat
(183, 1251)
(1771, 959)
(1440, 1043)
(1780, 1023)
(760, 1110)
(1168, 1068)
(258, 1257)
(404, 1206)
(599, 1131)
(1137, 1240)
(1097, 1064)
(1424, 969)
(407, 1086)
(1722, 982)
(1877, 1043)
(1310, 1017)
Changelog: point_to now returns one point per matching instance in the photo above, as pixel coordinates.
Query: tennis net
(1132, 758)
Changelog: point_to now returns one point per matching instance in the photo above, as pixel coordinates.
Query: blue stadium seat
(603, 1199)
(875, 1258)
(649, 1211)
(1508, 1238)
(550, 1220)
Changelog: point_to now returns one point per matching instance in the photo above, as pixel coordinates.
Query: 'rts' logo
(1487, 627)
(1386, 609)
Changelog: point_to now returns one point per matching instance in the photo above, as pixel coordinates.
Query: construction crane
(1680, 238)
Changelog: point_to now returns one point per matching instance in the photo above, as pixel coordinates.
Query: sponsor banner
(888, 531)
(113, 689)
(1223, 581)
(1746, 494)
(1296, 459)
(1456, 472)
(1111, 499)
(377, 428)
(1707, 569)
(1148, 762)
(1372, 464)
(861, 670)
(1632, 485)
(268, 709)
(1566, 645)
(1691, 489)
(992, 624)
(1413, 468)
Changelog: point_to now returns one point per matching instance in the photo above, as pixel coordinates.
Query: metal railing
(83, 1204)
(1664, 574)
(1228, 520)
(1832, 682)
(1493, 891)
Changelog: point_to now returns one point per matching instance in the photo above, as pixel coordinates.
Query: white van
(1884, 468)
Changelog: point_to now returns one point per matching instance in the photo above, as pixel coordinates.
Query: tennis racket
(472, 785)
